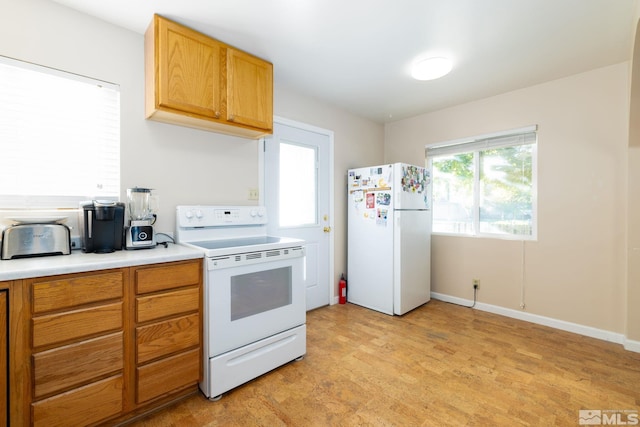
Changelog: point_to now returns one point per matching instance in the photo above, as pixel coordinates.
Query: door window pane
(298, 185)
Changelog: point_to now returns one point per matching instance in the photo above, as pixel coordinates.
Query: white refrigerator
(389, 237)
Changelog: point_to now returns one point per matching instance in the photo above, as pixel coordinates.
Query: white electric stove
(254, 296)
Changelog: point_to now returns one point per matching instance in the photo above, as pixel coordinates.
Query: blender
(139, 233)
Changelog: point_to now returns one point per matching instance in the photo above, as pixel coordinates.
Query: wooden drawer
(168, 375)
(76, 364)
(164, 338)
(170, 276)
(80, 407)
(61, 327)
(72, 291)
(167, 304)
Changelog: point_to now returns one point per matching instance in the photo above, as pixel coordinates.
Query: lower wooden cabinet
(4, 357)
(102, 346)
(77, 347)
(168, 329)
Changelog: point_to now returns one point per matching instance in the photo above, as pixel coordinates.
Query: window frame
(476, 145)
(14, 201)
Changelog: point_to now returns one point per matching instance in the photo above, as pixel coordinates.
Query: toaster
(32, 240)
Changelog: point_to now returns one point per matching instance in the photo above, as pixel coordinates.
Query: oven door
(247, 303)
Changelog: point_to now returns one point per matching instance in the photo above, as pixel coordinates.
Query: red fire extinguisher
(342, 290)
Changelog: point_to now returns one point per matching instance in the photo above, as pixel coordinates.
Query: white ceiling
(356, 54)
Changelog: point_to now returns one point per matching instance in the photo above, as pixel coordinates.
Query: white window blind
(59, 137)
(486, 185)
(511, 138)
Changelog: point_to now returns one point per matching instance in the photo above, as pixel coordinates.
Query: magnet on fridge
(371, 200)
(383, 199)
(382, 217)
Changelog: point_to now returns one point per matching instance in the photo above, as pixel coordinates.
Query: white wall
(633, 195)
(575, 271)
(184, 166)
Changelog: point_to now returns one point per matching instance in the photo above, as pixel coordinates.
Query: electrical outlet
(76, 242)
(476, 283)
(253, 194)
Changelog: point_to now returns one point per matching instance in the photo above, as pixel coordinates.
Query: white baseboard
(546, 321)
(631, 345)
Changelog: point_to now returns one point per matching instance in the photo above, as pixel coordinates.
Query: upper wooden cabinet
(188, 67)
(196, 81)
(246, 77)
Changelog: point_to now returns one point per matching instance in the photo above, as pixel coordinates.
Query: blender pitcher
(140, 204)
(140, 232)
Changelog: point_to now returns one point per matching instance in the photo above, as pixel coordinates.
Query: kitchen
(601, 291)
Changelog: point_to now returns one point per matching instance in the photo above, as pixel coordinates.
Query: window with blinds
(59, 137)
(486, 185)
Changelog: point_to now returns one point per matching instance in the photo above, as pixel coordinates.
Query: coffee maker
(139, 234)
(102, 226)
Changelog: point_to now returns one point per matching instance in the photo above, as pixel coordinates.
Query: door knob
(327, 229)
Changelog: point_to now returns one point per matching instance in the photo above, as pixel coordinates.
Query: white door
(297, 194)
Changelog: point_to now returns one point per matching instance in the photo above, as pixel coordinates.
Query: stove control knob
(188, 214)
(199, 214)
(253, 213)
(260, 212)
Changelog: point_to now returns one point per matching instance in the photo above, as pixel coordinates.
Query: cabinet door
(83, 406)
(249, 90)
(3, 357)
(188, 70)
(156, 306)
(164, 338)
(168, 375)
(167, 277)
(73, 365)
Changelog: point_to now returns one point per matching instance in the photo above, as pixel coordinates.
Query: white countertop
(79, 261)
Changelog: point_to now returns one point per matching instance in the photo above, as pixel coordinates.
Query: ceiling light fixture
(431, 68)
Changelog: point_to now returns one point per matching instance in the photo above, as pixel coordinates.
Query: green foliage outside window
(484, 192)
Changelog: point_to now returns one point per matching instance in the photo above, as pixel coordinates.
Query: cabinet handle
(217, 114)
(232, 118)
